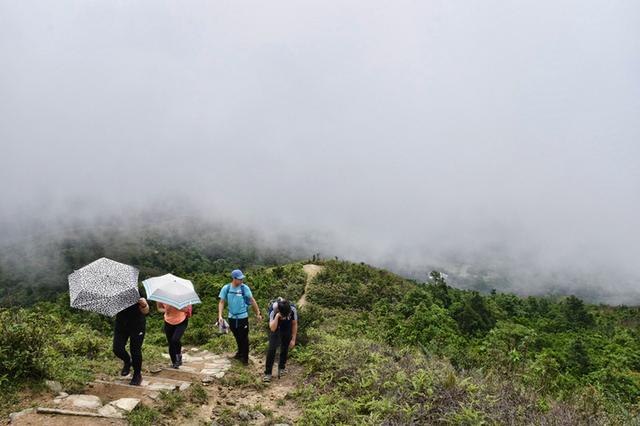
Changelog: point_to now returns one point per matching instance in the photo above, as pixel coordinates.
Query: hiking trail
(311, 270)
(108, 399)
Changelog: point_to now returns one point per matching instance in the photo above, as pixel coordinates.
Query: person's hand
(219, 320)
(143, 303)
(292, 343)
(259, 316)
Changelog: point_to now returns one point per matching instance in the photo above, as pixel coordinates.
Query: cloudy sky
(416, 130)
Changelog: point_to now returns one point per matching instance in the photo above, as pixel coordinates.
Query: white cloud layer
(405, 132)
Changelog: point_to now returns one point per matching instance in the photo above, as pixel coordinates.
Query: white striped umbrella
(172, 290)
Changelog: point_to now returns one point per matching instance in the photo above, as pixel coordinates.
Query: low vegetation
(376, 349)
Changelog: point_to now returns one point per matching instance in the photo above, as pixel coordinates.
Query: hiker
(239, 298)
(131, 325)
(175, 324)
(283, 329)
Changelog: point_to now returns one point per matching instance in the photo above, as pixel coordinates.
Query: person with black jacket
(131, 325)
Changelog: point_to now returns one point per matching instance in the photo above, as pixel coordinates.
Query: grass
(197, 394)
(240, 376)
(143, 416)
(225, 418)
(171, 402)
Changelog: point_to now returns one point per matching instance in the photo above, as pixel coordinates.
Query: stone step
(45, 410)
(215, 370)
(164, 384)
(90, 406)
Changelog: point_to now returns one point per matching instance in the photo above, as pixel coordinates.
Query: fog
(502, 136)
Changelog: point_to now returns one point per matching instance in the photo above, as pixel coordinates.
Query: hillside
(35, 268)
(374, 348)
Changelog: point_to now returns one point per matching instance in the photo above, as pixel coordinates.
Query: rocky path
(108, 400)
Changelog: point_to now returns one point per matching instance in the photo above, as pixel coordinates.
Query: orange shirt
(172, 315)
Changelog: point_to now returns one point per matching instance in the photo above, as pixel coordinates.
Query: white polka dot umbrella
(172, 290)
(104, 286)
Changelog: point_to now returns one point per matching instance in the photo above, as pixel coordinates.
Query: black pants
(240, 330)
(174, 335)
(281, 339)
(135, 338)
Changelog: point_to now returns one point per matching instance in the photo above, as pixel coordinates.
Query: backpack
(247, 301)
(189, 311)
(270, 307)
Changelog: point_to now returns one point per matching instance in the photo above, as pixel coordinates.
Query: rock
(53, 386)
(184, 386)
(219, 375)
(194, 349)
(257, 415)
(229, 402)
(244, 415)
(210, 371)
(167, 356)
(125, 404)
(213, 365)
(14, 416)
(110, 411)
(85, 401)
(189, 358)
(155, 370)
(188, 369)
(161, 386)
(62, 395)
(154, 395)
(207, 379)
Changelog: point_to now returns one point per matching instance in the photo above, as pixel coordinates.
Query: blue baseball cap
(237, 275)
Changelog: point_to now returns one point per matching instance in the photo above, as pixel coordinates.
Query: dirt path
(271, 400)
(311, 271)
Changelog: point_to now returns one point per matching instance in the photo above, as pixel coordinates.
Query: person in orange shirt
(175, 324)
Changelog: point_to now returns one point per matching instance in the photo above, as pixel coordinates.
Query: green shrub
(24, 338)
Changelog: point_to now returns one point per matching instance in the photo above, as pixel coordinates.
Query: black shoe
(125, 369)
(237, 356)
(244, 362)
(179, 359)
(136, 380)
(175, 365)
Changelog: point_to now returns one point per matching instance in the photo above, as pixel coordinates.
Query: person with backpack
(175, 324)
(239, 297)
(283, 329)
